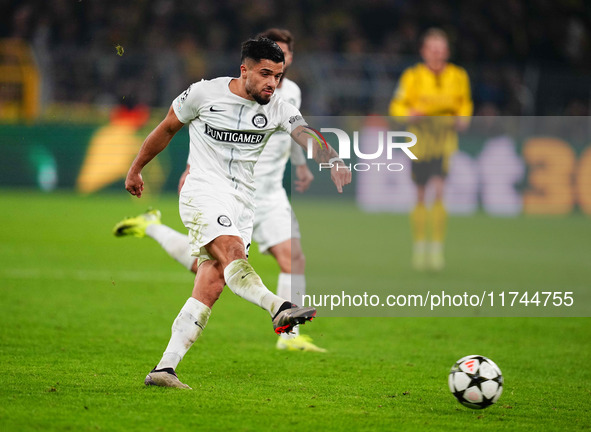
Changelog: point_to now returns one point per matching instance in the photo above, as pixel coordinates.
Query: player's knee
(298, 258)
(238, 250)
(421, 194)
(297, 261)
(226, 249)
(284, 264)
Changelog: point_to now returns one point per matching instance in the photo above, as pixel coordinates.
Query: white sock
(419, 247)
(244, 282)
(186, 328)
(291, 287)
(176, 244)
(436, 247)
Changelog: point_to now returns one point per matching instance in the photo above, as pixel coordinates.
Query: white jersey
(270, 168)
(227, 134)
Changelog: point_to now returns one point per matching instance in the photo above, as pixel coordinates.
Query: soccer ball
(476, 381)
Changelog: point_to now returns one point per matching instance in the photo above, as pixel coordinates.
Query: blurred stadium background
(71, 69)
(63, 79)
(523, 57)
(85, 315)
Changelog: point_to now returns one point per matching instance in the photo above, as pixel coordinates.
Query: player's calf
(242, 279)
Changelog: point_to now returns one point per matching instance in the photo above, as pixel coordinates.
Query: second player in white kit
(276, 229)
(230, 121)
(273, 209)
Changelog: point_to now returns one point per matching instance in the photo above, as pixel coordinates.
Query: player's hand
(340, 175)
(134, 183)
(303, 178)
(183, 178)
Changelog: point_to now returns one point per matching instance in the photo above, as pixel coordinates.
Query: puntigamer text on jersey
(234, 136)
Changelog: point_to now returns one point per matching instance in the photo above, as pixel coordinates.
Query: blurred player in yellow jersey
(434, 98)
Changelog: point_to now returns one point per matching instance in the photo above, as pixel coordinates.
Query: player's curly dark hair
(262, 48)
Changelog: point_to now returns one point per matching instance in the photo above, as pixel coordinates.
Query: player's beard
(258, 97)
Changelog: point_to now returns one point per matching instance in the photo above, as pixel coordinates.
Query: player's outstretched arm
(157, 141)
(339, 173)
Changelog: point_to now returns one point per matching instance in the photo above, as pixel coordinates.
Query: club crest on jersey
(224, 221)
(259, 121)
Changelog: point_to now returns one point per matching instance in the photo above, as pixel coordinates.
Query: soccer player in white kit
(276, 229)
(230, 121)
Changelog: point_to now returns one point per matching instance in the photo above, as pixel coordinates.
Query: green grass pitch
(84, 316)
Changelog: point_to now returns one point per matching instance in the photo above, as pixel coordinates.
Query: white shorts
(207, 217)
(274, 221)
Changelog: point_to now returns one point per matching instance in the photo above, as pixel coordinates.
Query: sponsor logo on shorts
(234, 136)
(259, 121)
(224, 221)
